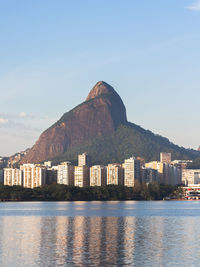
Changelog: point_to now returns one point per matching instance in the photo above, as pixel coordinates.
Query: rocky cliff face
(98, 116)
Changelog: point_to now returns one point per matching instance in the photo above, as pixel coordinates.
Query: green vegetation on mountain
(128, 139)
(99, 127)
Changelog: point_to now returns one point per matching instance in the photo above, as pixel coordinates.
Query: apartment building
(13, 177)
(33, 175)
(81, 176)
(83, 159)
(97, 175)
(131, 171)
(167, 173)
(65, 173)
(115, 174)
(149, 175)
(190, 176)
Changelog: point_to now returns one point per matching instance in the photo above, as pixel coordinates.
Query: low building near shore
(192, 191)
(190, 176)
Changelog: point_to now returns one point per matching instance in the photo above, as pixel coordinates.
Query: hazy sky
(52, 52)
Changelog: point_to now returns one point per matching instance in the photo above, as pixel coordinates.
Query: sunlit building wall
(97, 175)
(81, 176)
(33, 175)
(190, 176)
(115, 174)
(83, 159)
(13, 177)
(65, 174)
(156, 165)
(131, 171)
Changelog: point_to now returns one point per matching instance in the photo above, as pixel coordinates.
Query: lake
(129, 233)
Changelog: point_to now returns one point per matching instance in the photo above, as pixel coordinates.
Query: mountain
(99, 126)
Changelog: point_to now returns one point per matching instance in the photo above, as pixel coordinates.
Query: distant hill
(99, 127)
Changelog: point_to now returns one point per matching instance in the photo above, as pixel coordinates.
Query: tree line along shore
(59, 192)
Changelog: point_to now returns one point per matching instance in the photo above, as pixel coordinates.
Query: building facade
(149, 175)
(33, 175)
(115, 174)
(190, 176)
(13, 177)
(83, 159)
(167, 173)
(131, 172)
(165, 157)
(65, 174)
(97, 175)
(81, 176)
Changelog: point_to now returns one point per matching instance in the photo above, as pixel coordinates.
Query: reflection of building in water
(148, 241)
(179, 236)
(20, 240)
(95, 239)
(79, 233)
(62, 226)
(111, 240)
(48, 241)
(129, 240)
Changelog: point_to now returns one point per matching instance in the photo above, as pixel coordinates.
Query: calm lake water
(100, 233)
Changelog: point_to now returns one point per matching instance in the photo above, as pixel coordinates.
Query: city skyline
(52, 55)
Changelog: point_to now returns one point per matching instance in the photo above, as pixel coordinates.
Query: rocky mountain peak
(100, 88)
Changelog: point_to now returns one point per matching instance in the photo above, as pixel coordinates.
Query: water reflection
(99, 241)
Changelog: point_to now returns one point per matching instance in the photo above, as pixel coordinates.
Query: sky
(52, 52)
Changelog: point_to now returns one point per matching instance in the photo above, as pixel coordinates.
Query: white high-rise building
(97, 175)
(83, 159)
(115, 174)
(33, 175)
(131, 171)
(81, 176)
(65, 174)
(13, 177)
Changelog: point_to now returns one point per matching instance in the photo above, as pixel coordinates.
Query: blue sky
(53, 52)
